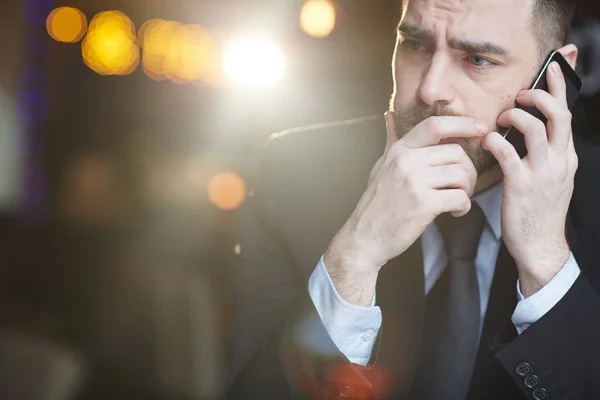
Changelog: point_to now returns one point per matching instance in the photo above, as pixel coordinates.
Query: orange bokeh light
(110, 47)
(66, 24)
(227, 190)
(317, 18)
(178, 52)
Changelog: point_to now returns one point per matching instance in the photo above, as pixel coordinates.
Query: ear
(569, 52)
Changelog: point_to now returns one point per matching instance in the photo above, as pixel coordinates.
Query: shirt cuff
(530, 310)
(352, 328)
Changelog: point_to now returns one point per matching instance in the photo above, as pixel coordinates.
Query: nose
(436, 83)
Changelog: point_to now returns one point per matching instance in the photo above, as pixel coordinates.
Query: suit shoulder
(337, 132)
(324, 150)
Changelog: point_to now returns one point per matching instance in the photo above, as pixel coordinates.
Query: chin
(482, 159)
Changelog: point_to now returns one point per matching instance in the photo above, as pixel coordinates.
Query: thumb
(390, 126)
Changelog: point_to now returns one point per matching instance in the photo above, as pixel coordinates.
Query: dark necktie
(452, 313)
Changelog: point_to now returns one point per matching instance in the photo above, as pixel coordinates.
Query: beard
(411, 116)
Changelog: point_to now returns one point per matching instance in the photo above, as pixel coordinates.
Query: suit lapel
(488, 375)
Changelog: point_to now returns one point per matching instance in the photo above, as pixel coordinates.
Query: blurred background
(129, 134)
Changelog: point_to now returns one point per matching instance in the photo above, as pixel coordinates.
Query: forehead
(504, 22)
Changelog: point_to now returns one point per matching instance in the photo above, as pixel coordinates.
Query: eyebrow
(468, 46)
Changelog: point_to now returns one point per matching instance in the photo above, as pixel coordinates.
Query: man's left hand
(537, 188)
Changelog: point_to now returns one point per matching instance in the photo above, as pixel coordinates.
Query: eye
(412, 45)
(478, 61)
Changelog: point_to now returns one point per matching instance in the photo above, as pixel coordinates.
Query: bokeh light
(155, 38)
(254, 62)
(227, 190)
(110, 47)
(317, 18)
(178, 52)
(66, 24)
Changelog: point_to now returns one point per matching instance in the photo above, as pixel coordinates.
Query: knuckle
(575, 162)
(469, 167)
(536, 127)
(463, 174)
(510, 113)
(434, 125)
(401, 164)
(467, 176)
(504, 153)
(394, 162)
(462, 200)
(466, 201)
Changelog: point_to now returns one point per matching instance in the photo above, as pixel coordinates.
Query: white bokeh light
(254, 62)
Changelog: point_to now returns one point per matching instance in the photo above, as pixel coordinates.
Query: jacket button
(540, 394)
(523, 369)
(532, 382)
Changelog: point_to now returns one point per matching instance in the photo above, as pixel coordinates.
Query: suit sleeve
(280, 348)
(557, 357)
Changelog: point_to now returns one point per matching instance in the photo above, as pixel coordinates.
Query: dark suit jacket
(309, 182)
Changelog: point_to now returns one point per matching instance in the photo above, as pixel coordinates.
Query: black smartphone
(574, 86)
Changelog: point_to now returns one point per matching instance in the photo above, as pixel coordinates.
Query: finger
(504, 152)
(557, 113)
(557, 86)
(455, 201)
(390, 126)
(434, 129)
(447, 154)
(441, 154)
(533, 129)
(454, 176)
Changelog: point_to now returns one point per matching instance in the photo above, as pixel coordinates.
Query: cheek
(505, 102)
(406, 85)
(488, 107)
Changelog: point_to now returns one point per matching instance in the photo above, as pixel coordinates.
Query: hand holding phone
(573, 83)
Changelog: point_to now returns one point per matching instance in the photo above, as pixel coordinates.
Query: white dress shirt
(354, 329)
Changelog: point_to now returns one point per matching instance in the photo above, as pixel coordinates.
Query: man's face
(463, 57)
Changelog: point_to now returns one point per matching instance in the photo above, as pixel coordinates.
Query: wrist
(351, 254)
(353, 274)
(538, 272)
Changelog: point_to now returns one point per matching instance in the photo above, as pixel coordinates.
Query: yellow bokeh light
(110, 47)
(317, 18)
(155, 38)
(180, 53)
(66, 24)
(185, 60)
(227, 190)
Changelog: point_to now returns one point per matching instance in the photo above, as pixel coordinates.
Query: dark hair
(552, 22)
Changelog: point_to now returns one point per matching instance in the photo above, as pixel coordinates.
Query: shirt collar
(490, 202)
